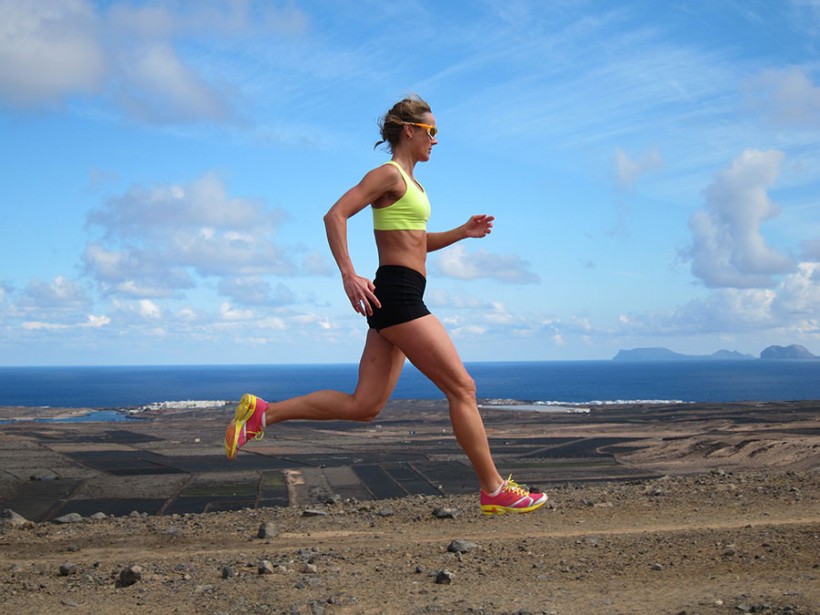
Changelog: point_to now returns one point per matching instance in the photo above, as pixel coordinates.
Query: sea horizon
(680, 358)
(542, 382)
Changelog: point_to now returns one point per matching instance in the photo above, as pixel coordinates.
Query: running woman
(400, 325)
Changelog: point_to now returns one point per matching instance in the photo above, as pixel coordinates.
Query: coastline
(408, 450)
(702, 508)
(559, 382)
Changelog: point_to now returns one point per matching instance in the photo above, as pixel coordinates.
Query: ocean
(548, 383)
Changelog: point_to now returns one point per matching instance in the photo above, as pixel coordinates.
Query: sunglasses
(432, 131)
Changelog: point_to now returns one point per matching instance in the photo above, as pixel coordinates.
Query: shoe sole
(495, 509)
(244, 411)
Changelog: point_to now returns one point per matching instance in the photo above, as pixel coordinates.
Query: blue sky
(653, 167)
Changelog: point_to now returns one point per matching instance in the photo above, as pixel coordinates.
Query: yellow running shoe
(248, 424)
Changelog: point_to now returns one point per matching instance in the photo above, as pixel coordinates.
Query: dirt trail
(709, 544)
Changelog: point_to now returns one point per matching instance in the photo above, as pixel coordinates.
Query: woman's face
(421, 142)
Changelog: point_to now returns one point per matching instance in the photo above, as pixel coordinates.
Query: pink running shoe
(248, 424)
(512, 498)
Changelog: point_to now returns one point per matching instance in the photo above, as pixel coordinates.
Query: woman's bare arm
(477, 226)
(373, 185)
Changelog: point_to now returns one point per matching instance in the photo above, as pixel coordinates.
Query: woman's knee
(365, 410)
(462, 389)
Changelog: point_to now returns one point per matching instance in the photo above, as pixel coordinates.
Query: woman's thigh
(379, 369)
(427, 345)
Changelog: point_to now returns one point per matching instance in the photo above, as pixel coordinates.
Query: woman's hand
(479, 226)
(361, 293)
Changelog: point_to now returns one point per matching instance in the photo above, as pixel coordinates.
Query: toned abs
(405, 248)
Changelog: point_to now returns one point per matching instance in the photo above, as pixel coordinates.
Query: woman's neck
(405, 160)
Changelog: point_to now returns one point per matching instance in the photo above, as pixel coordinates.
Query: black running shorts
(401, 293)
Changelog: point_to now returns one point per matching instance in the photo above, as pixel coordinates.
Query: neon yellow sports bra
(409, 213)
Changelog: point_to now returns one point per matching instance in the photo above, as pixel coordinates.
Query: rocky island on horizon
(791, 352)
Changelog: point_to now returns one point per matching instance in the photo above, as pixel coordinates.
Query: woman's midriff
(404, 248)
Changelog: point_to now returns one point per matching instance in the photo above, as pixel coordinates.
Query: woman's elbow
(330, 217)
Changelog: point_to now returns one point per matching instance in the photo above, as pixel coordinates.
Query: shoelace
(253, 435)
(515, 487)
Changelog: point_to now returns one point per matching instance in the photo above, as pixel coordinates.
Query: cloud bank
(54, 50)
(459, 263)
(157, 242)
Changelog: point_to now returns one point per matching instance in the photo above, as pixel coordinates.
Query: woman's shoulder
(390, 168)
(385, 174)
(383, 181)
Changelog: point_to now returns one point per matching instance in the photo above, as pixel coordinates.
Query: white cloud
(271, 322)
(811, 249)
(49, 49)
(136, 313)
(317, 263)
(92, 322)
(468, 331)
(134, 271)
(723, 311)
(629, 170)
(728, 249)
(96, 322)
(156, 242)
(792, 306)
(726, 310)
(210, 18)
(786, 96)
(456, 262)
(148, 309)
(155, 85)
(251, 290)
(203, 203)
(255, 291)
(453, 298)
(799, 294)
(60, 300)
(499, 315)
(228, 312)
(187, 315)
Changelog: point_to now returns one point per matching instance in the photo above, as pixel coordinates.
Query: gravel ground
(717, 542)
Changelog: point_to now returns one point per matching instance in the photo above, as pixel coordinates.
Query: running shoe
(248, 424)
(511, 498)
